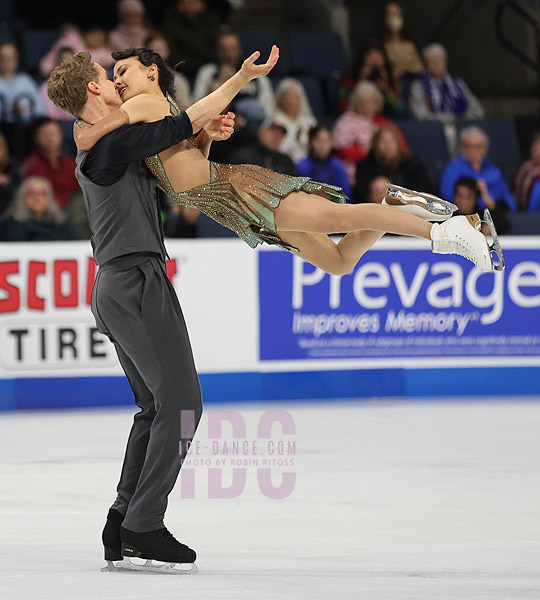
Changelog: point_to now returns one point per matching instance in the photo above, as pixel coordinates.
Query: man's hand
(251, 71)
(220, 128)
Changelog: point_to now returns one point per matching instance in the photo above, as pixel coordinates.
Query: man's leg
(141, 311)
(139, 435)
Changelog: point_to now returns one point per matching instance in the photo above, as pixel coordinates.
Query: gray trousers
(137, 308)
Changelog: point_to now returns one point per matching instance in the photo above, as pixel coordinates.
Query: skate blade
(143, 565)
(495, 245)
(433, 204)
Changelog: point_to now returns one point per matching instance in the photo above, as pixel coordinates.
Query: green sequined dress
(241, 197)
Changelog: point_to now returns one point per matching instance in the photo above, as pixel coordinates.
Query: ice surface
(393, 500)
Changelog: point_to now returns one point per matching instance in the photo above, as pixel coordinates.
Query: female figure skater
(294, 213)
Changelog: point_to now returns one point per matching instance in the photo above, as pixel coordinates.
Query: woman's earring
(152, 78)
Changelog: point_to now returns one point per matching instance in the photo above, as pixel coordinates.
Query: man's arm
(108, 159)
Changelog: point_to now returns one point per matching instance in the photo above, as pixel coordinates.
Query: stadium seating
(315, 96)
(262, 41)
(36, 43)
(317, 54)
(426, 139)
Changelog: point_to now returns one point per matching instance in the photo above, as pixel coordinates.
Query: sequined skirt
(241, 197)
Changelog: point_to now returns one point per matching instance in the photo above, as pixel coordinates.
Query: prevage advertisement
(400, 301)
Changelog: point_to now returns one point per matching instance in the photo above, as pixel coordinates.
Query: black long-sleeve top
(107, 162)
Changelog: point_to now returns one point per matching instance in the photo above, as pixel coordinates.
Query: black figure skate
(154, 552)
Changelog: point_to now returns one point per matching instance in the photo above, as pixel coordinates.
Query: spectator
(229, 60)
(294, 112)
(182, 222)
(372, 64)
(389, 158)
(192, 31)
(51, 110)
(439, 96)
(49, 162)
(320, 164)
(97, 43)
(159, 44)
(131, 30)
(19, 95)
(9, 179)
(377, 189)
(400, 49)
(36, 216)
(265, 152)
(70, 38)
(466, 198)
(466, 194)
(473, 162)
(354, 129)
(93, 41)
(527, 176)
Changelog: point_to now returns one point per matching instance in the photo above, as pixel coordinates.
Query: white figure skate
(420, 204)
(461, 235)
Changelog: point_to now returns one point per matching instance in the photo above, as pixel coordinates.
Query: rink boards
(266, 326)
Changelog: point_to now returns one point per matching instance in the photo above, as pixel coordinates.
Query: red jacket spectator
(49, 162)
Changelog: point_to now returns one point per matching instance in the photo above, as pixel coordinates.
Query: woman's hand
(250, 70)
(220, 128)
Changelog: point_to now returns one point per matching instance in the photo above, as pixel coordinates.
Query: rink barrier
(436, 384)
(265, 326)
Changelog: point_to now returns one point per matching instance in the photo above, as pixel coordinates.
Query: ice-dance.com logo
(227, 455)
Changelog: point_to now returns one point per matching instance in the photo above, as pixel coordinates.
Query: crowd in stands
(349, 129)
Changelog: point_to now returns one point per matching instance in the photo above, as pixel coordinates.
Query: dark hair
(405, 31)
(469, 183)
(148, 57)
(316, 129)
(40, 122)
(371, 46)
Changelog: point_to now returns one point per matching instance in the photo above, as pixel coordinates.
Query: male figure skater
(135, 305)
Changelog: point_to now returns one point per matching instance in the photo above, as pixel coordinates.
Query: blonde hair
(21, 212)
(67, 83)
(305, 107)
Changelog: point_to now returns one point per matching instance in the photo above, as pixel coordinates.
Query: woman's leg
(335, 259)
(301, 211)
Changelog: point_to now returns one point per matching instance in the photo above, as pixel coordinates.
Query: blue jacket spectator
(473, 162)
(19, 95)
(320, 164)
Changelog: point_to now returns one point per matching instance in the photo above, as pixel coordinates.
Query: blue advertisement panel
(404, 302)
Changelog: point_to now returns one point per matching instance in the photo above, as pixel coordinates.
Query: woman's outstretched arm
(210, 106)
(148, 108)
